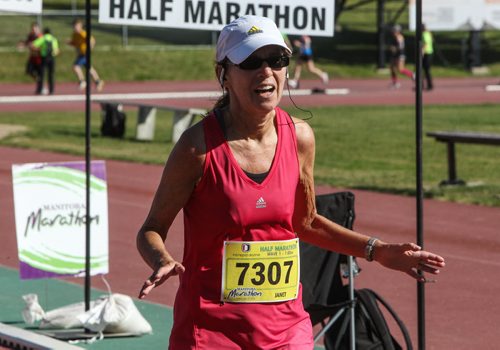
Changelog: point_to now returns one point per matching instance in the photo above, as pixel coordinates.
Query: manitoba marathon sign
(314, 17)
(50, 215)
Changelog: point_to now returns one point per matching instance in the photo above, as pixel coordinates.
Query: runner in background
(398, 57)
(48, 47)
(427, 54)
(243, 178)
(305, 56)
(34, 63)
(78, 41)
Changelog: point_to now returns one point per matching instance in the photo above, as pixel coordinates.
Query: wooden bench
(146, 118)
(452, 137)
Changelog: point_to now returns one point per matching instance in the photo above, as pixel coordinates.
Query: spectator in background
(398, 57)
(34, 63)
(303, 44)
(79, 42)
(48, 47)
(427, 54)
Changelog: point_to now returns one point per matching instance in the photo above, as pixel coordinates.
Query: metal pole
(420, 193)
(352, 320)
(88, 27)
(380, 34)
(124, 36)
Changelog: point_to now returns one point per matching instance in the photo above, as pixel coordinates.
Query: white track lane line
(144, 96)
(492, 88)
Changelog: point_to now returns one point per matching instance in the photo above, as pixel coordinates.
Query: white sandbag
(131, 320)
(61, 318)
(33, 312)
(114, 313)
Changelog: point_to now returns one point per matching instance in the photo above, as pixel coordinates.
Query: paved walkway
(54, 293)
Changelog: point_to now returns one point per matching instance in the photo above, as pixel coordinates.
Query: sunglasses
(274, 62)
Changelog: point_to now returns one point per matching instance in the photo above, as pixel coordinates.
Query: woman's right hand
(160, 275)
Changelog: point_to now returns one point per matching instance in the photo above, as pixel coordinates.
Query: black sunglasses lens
(251, 63)
(282, 61)
(274, 62)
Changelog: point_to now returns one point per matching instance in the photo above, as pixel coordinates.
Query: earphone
(287, 75)
(221, 77)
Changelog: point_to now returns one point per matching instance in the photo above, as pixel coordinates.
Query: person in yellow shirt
(427, 53)
(78, 41)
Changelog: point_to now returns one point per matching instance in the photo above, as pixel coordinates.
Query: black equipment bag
(322, 287)
(372, 331)
(49, 51)
(113, 120)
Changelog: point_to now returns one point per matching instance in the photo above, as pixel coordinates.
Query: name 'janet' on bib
(260, 271)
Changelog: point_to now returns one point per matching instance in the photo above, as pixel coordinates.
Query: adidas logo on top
(261, 203)
(254, 30)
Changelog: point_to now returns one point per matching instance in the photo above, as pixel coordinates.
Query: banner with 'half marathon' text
(313, 17)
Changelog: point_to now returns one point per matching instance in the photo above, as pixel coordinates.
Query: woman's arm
(318, 230)
(182, 172)
(312, 227)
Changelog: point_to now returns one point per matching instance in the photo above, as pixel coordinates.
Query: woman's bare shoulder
(189, 152)
(194, 138)
(304, 132)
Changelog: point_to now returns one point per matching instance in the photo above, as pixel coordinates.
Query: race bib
(260, 272)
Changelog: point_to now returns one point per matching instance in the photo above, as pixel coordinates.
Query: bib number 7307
(262, 271)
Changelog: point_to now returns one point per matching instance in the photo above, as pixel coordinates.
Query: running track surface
(361, 92)
(461, 312)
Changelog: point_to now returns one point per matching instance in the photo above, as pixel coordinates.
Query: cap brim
(241, 52)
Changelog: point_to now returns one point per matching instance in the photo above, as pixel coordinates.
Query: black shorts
(305, 58)
(33, 66)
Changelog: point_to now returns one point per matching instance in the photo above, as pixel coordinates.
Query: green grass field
(357, 147)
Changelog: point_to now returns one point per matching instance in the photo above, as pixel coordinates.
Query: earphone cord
(295, 105)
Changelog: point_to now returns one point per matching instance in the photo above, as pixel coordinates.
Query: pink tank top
(228, 205)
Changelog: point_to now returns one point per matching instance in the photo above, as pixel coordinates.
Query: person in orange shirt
(78, 41)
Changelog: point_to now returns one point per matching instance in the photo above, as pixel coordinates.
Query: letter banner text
(313, 17)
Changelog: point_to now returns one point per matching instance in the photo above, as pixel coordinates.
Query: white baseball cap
(243, 36)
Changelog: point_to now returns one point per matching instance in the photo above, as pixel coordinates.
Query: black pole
(87, 154)
(474, 49)
(420, 193)
(380, 34)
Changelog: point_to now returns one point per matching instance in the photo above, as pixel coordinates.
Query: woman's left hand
(409, 258)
